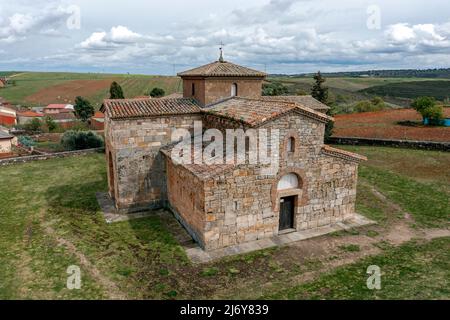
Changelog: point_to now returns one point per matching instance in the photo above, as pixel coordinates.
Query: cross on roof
(221, 52)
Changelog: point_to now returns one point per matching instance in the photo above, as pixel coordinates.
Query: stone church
(221, 205)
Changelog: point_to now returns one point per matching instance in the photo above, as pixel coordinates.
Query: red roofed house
(8, 116)
(58, 108)
(98, 121)
(226, 204)
(27, 116)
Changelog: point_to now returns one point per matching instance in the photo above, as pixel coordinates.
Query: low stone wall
(9, 161)
(424, 145)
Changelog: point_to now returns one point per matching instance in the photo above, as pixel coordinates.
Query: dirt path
(110, 287)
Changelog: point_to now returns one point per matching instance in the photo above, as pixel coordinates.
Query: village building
(63, 119)
(58, 108)
(8, 116)
(5, 143)
(98, 121)
(221, 205)
(25, 117)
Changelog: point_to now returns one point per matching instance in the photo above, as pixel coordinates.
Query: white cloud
(97, 40)
(122, 34)
(19, 26)
(287, 35)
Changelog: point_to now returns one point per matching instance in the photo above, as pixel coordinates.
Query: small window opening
(291, 145)
(234, 90)
(193, 89)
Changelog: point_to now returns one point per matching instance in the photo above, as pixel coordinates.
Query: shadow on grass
(75, 196)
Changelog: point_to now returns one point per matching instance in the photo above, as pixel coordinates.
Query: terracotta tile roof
(29, 114)
(343, 154)
(140, 108)
(98, 114)
(306, 101)
(222, 69)
(254, 112)
(176, 95)
(203, 171)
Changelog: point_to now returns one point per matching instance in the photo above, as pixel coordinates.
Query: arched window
(193, 89)
(234, 90)
(291, 144)
(288, 181)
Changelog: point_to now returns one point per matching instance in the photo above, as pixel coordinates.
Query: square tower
(220, 80)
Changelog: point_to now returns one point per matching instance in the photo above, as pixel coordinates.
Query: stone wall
(187, 199)
(9, 161)
(210, 90)
(425, 145)
(219, 89)
(199, 89)
(139, 170)
(242, 204)
(5, 145)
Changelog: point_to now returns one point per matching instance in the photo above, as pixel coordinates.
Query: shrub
(434, 114)
(376, 104)
(274, 89)
(26, 141)
(83, 109)
(51, 124)
(79, 140)
(157, 93)
(422, 103)
(34, 125)
(428, 108)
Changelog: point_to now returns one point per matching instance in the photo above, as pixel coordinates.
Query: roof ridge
(222, 69)
(343, 153)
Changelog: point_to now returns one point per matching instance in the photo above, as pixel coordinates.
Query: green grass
(143, 259)
(413, 89)
(62, 193)
(416, 180)
(411, 271)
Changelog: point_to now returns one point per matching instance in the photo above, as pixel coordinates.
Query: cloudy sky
(279, 36)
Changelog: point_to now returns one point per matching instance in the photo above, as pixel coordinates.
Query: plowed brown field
(68, 90)
(383, 125)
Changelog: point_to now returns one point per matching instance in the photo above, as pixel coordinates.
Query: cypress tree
(115, 91)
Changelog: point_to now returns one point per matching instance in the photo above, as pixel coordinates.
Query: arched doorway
(288, 181)
(111, 176)
(288, 202)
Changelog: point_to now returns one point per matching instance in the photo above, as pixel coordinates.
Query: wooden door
(287, 206)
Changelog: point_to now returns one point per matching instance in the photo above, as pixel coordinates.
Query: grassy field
(42, 88)
(396, 91)
(49, 220)
(413, 89)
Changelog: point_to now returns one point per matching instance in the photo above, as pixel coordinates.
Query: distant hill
(413, 89)
(443, 73)
(42, 88)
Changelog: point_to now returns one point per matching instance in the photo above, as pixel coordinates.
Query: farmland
(53, 221)
(412, 89)
(385, 125)
(396, 91)
(42, 88)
